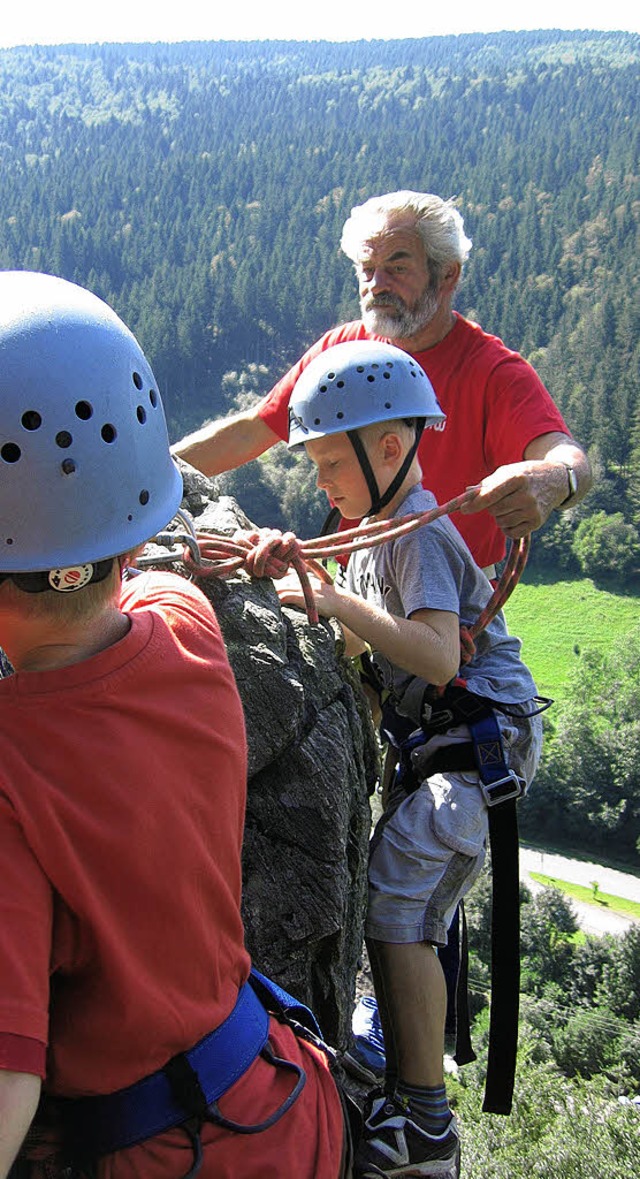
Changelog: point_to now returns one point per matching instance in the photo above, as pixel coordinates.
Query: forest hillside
(201, 189)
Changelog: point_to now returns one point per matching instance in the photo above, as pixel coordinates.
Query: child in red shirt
(122, 795)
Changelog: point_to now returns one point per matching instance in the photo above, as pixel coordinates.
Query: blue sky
(44, 22)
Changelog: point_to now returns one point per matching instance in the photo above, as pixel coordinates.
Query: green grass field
(603, 900)
(558, 620)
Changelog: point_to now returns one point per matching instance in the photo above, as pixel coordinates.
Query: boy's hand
(326, 596)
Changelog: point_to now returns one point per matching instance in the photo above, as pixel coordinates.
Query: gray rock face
(312, 762)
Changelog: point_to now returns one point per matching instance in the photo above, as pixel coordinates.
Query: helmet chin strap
(379, 501)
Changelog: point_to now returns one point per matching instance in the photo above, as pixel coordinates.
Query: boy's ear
(391, 446)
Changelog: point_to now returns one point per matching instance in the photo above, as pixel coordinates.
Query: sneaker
(395, 1144)
(366, 1056)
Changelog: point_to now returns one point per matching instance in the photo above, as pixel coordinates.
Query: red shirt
(495, 405)
(122, 796)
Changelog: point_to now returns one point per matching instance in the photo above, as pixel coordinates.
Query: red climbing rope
(508, 581)
(272, 554)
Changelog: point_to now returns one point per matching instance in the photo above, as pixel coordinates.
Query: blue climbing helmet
(356, 384)
(85, 467)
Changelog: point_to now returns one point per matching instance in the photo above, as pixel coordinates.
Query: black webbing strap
(501, 788)
(331, 522)
(464, 1053)
(505, 958)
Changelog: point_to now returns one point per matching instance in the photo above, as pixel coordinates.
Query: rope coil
(272, 554)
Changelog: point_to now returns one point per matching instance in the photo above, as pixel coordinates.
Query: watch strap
(572, 484)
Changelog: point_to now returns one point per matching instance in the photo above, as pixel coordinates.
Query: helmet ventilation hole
(144, 497)
(137, 380)
(64, 439)
(68, 466)
(153, 398)
(10, 453)
(141, 414)
(108, 432)
(84, 410)
(31, 420)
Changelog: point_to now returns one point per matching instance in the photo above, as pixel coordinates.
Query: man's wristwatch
(572, 482)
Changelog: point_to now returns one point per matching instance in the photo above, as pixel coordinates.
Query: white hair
(438, 222)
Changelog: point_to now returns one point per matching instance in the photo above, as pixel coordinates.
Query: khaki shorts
(430, 845)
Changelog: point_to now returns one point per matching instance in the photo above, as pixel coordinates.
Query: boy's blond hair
(82, 605)
(405, 427)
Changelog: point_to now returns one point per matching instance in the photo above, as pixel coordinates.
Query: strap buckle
(511, 786)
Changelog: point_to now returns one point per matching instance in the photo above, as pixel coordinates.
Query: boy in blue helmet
(359, 410)
(125, 1001)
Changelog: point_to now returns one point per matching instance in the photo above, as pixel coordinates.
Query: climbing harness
(185, 1092)
(435, 711)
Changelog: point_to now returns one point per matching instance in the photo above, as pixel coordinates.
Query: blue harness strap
(103, 1124)
(498, 783)
(191, 1083)
(275, 997)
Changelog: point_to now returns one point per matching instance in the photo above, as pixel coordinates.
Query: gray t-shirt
(432, 569)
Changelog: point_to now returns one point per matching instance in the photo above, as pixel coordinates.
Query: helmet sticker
(73, 577)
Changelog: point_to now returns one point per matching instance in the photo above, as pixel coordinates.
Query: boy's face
(339, 474)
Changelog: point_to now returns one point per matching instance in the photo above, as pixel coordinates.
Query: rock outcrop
(312, 764)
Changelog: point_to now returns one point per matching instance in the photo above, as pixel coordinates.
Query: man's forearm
(225, 444)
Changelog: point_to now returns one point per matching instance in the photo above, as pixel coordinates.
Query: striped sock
(430, 1105)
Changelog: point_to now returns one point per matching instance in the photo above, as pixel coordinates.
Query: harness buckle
(436, 720)
(511, 786)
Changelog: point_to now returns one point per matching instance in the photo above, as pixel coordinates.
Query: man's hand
(521, 496)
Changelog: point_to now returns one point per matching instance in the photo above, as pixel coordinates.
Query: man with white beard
(502, 429)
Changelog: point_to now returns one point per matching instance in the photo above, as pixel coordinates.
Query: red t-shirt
(122, 796)
(495, 405)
